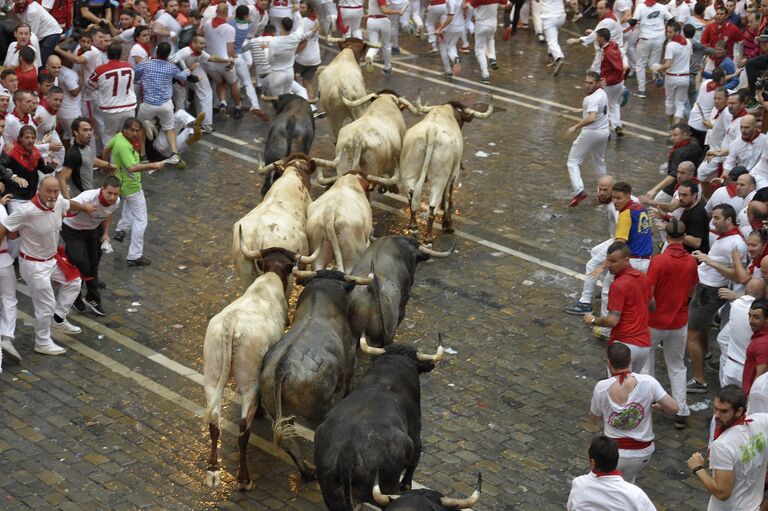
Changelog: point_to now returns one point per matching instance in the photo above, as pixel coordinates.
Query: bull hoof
(448, 228)
(245, 485)
(308, 476)
(405, 487)
(213, 478)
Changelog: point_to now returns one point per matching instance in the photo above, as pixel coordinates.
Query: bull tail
(330, 233)
(348, 501)
(357, 156)
(348, 460)
(290, 132)
(283, 427)
(226, 362)
(419, 186)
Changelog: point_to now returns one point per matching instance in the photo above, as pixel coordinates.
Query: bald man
(598, 252)
(756, 216)
(53, 68)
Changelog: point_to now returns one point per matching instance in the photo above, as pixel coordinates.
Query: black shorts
(306, 72)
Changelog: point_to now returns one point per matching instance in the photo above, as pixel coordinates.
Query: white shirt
(282, 49)
(72, 106)
(732, 132)
(94, 58)
(310, 55)
(721, 196)
(736, 335)
(760, 169)
(551, 8)
(85, 222)
(758, 395)
(39, 228)
(699, 25)
(5, 258)
(720, 252)
(596, 102)
(681, 12)
(619, 8)
(742, 217)
(607, 493)
(170, 23)
(680, 55)
(457, 23)
(705, 102)
(280, 9)
(113, 83)
(186, 59)
(487, 14)
(632, 419)
(617, 34)
(651, 20)
(746, 154)
(40, 21)
(716, 134)
(137, 50)
(741, 449)
(12, 57)
(216, 39)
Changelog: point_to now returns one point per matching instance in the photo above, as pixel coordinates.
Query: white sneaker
(149, 129)
(50, 349)
(10, 350)
(66, 327)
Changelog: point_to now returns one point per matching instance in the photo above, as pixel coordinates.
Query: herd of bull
(367, 439)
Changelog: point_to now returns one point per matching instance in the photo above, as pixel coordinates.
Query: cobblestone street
(115, 424)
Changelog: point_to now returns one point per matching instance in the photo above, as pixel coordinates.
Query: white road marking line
(228, 138)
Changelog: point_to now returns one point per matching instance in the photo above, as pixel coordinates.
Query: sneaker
(619, 132)
(659, 82)
(119, 236)
(238, 112)
(448, 76)
(694, 387)
(508, 33)
(174, 159)
(50, 349)
(433, 50)
(9, 351)
(197, 128)
(149, 129)
(579, 309)
(713, 364)
(577, 199)
(641, 94)
(411, 27)
(95, 307)
(681, 422)
(387, 70)
(207, 130)
(558, 64)
(464, 49)
(221, 106)
(395, 50)
(368, 65)
(65, 326)
(541, 37)
(485, 79)
(494, 65)
(141, 261)
(79, 304)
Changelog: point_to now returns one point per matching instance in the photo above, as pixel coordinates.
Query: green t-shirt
(124, 156)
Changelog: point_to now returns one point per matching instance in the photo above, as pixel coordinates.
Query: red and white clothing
(350, 17)
(760, 168)
(720, 252)
(13, 124)
(676, 81)
(169, 22)
(652, 19)
(599, 491)
(12, 57)
(733, 340)
(379, 30)
(721, 122)
(705, 102)
(47, 134)
(741, 450)
(116, 97)
(140, 51)
(611, 68)
(747, 153)
(279, 9)
(552, 14)
(436, 14)
(7, 289)
(631, 423)
(679, 10)
(41, 23)
(486, 16)
(282, 53)
(611, 23)
(72, 105)
(88, 221)
(591, 141)
(218, 36)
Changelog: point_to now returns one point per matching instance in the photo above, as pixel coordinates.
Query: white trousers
(113, 123)
(639, 357)
(448, 51)
(589, 142)
(648, 54)
(8, 302)
(93, 113)
(536, 15)
(134, 219)
(599, 254)
(280, 82)
(181, 122)
(674, 357)
(614, 103)
(13, 245)
(485, 46)
(243, 62)
(417, 9)
(351, 19)
(40, 277)
(396, 22)
(732, 372)
(203, 95)
(435, 14)
(708, 169)
(379, 29)
(630, 467)
(164, 114)
(550, 28)
(630, 48)
(676, 92)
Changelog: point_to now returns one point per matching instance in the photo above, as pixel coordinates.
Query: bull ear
(260, 264)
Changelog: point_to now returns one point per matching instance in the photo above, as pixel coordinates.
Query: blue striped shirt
(156, 77)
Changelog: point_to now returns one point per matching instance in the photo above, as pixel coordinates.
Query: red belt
(34, 259)
(632, 444)
(681, 74)
(376, 16)
(3, 251)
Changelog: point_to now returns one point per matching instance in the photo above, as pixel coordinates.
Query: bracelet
(696, 469)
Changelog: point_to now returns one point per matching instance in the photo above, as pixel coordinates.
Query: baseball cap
(737, 171)
(675, 228)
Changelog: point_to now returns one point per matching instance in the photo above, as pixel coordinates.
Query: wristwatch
(696, 469)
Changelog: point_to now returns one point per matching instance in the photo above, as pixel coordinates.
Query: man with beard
(756, 361)
(737, 455)
(694, 217)
(76, 173)
(38, 223)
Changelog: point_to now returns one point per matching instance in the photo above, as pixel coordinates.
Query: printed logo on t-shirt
(654, 14)
(629, 418)
(755, 445)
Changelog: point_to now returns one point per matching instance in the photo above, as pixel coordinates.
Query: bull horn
(438, 354)
(481, 115)
(302, 259)
(384, 180)
(467, 502)
(378, 497)
(249, 254)
(369, 350)
(268, 99)
(371, 44)
(407, 104)
(325, 181)
(354, 103)
(313, 101)
(327, 164)
(332, 39)
(359, 281)
(434, 253)
(423, 109)
(302, 274)
(266, 169)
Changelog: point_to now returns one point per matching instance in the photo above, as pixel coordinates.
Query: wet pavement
(115, 424)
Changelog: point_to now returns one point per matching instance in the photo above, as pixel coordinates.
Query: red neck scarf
(740, 420)
(20, 46)
(741, 113)
(232, 2)
(751, 139)
(677, 146)
(196, 53)
(650, 3)
(27, 159)
(712, 85)
(44, 104)
(759, 259)
(261, 11)
(609, 14)
(622, 375)
(730, 232)
(679, 39)
(731, 189)
(20, 10)
(102, 200)
(217, 22)
(603, 474)
(719, 111)
(717, 60)
(26, 119)
(146, 48)
(36, 202)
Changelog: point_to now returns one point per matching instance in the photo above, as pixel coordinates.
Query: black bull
(291, 131)
(376, 429)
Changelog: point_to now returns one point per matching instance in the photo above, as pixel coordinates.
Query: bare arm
(63, 176)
